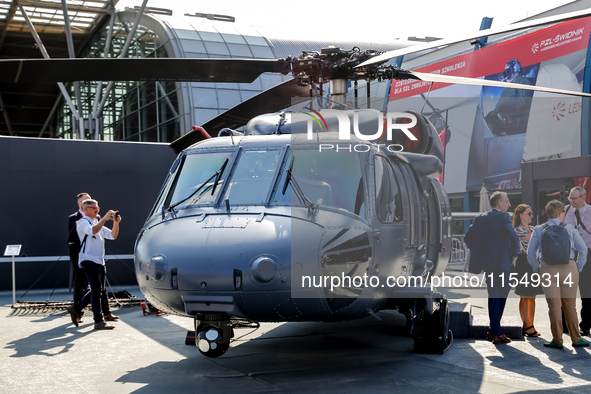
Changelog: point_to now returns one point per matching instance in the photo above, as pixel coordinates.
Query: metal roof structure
(48, 16)
(60, 28)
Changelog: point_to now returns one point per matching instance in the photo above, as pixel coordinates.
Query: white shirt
(94, 247)
(585, 214)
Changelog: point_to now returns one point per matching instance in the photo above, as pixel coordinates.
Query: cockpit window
(253, 177)
(326, 179)
(201, 178)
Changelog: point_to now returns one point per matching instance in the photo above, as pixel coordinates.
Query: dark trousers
(79, 280)
(97, 296)
(585, 290)
(498, 290)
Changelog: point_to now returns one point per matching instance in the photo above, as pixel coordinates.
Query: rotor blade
(136, 69)
(481, 33)
(269, 101)
(486, 82)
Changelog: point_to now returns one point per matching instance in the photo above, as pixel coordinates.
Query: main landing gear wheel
(213, 334)
(433, 334)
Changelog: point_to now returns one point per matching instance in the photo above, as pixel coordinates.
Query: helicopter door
(389, 222)
(439, 227)
(417, 222)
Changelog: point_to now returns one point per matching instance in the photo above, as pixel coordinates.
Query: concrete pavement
(42, 352)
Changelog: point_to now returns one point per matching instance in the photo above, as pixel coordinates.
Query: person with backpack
(578, 213)
(559, 273)
(79, 276)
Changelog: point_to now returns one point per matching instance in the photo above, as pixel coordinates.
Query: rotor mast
(338, 90)
(338, 67)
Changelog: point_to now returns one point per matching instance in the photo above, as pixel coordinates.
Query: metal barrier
(54, 259)
(459, 252)
(62, 258)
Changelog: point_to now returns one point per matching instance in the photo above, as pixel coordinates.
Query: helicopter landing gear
(212, 334)
(431, 333)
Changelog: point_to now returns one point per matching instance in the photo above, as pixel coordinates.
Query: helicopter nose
(186, 254)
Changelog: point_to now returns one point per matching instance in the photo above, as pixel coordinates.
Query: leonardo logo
(558, 111)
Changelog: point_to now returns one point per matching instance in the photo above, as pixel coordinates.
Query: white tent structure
(484, 200)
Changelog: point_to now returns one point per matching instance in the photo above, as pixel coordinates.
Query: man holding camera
(92, 233)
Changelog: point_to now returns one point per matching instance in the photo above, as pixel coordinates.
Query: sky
(384, 20)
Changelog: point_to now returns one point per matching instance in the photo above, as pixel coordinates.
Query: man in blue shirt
(559, 281)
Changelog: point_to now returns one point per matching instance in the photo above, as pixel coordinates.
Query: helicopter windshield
(328, 179)
(253, 176)
(201, 178)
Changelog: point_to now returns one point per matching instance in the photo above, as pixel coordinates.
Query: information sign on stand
(13, 250)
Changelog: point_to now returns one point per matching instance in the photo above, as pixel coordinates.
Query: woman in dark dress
(522, 217)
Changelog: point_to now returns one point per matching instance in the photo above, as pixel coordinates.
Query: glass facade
(201, 38)
(134, 111)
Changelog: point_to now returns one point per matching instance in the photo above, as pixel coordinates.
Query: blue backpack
(555, 244)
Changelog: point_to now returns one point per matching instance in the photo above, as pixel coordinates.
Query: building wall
(40, 181)
(494, 130)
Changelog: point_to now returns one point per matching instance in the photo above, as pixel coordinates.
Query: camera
(116, 214)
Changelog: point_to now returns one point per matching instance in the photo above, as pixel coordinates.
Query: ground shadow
(575, 362)
(364, 355)
(519, 362)
(43, 342)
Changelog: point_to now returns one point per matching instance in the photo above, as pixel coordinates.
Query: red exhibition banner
(533, 48)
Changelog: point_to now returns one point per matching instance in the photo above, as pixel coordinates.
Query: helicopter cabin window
(388, 203)
(201, 178)
(326, 179)
(253, 177)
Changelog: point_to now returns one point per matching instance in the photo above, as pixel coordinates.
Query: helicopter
(259, 213)
(250, 225)
(247, 223)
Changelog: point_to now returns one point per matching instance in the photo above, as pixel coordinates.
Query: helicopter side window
(388, 203)
(201, 178)
(327, 179)
(253, 177)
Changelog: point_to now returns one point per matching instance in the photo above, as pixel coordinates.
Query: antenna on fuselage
(280, 123)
